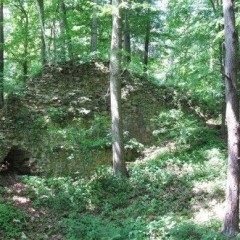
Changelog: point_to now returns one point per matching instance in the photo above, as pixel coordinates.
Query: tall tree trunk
(146, 45)
(62, 30)
(25, 60)
(1, 56)
(231, 220)
(94, 33)
(119, 167)
(126, 37)
(25, 70)
(221, 61)
(65, 33)
(53, 44)
(45, 49)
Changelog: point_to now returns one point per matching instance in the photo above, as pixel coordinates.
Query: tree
(24, 19)
(218, 13)
(127, 37)
(1, 55)
(146, 44)
(94, 32)
(62, 29)
(119, 167)
(65, 32)
(231, 220)
(22, 43)
(53, 34)
(44, 50)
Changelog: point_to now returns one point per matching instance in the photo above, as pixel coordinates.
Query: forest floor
(175, 191)
(176, 188)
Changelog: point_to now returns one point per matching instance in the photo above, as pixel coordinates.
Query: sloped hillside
(60, 123)
(60, 126)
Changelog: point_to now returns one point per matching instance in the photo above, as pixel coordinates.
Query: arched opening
(16, 161)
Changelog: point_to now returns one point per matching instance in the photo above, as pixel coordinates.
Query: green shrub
(91, 227)
(58, 116)
(193, 231)
(11, 221)
(185, 129)
(174, 124)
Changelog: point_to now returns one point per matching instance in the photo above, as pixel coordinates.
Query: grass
(175, 195)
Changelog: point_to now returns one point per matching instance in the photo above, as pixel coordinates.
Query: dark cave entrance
(16, 161)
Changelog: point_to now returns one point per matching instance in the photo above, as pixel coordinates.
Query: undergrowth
(165, 197)
(175, 195)
(12, 221)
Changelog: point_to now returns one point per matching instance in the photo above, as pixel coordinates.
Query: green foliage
(12, 221)
(158, 201)
(163, 195)
(132, 143)
(61, 194)
(189, 52)
(12, 87)
(94, 135)
(77, 144)
(175, 124)
(92, 227)
(22, 116)
(58, 116)
(191, 231)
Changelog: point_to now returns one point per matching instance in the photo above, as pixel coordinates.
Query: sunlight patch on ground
(215, 211)
(154, 152)
(20, 200)
(213, 122)
(203, 187)
(208, 203)
(214, 157)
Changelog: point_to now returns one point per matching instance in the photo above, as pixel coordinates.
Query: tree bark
(44, 51)
(221, 62)
(231, 219)
(26, 39)
(53, 44)
(119, 167)
(62, 30)
(94, 33)
(65, 33)
(146, 45)
(1, 56)
(127, 37)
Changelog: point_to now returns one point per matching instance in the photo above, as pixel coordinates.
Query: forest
(119, 119)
